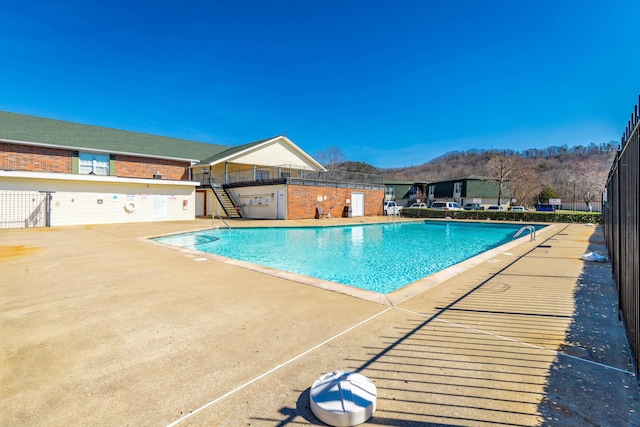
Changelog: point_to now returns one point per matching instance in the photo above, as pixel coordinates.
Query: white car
(391, 208)
(518, 209)
(495, 208)
(418, 205)
(446, 206)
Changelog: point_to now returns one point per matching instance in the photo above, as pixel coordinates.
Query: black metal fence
(622, 231)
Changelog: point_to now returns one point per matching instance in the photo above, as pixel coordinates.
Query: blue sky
(389, 83)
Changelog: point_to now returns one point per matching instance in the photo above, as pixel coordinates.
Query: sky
(390, 83)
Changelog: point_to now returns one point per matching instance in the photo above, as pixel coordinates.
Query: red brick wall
(303, 200)
(138, 167)
(19, 157)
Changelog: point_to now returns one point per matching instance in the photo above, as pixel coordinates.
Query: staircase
(225, 201)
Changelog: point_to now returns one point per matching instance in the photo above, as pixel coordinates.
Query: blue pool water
(378, 257)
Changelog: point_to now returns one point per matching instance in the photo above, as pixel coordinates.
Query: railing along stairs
(530, 228)
(225, 201)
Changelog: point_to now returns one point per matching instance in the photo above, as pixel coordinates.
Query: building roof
(287, 154)
(398, 182)
(230, 152)
(34, 130)
(468, 178)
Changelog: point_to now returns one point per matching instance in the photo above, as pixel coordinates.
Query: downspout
(226, 172)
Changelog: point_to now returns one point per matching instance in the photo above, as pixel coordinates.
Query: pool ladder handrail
(532, 230)
(213, 217)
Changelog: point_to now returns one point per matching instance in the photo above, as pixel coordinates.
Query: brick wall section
(138, 167)
(303, 200)
(17, 157)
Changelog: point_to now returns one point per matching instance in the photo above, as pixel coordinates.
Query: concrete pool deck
(103, 327)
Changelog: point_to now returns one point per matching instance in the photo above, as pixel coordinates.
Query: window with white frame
(90, 163)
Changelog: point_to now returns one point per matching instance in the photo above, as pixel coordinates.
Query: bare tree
(330, 158)
(525, 182)
(591, 178)
(500, 167)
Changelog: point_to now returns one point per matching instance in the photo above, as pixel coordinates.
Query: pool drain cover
(343, 398)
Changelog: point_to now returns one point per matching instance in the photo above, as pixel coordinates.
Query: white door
(281, 204)
(200, 203)
(357, 204)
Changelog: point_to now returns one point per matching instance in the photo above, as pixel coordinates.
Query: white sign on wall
(159, 206)
(555, 201)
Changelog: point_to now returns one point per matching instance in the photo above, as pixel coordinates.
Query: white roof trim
(93, 150)
(93, 178)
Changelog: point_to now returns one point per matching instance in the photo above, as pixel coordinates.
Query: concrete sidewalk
(102, 327)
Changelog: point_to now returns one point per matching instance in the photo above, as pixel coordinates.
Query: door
(281, 204)
(357, 204)
(200, 197)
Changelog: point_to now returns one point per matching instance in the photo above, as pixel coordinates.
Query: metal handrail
(213, 217)
(532, 230)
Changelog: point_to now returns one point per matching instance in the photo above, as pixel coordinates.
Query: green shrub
(530, 216)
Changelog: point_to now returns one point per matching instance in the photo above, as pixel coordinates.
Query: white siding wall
(82, 202)
(275, 154)
(259, 202)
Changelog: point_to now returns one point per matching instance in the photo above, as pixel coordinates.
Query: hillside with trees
(578, 172)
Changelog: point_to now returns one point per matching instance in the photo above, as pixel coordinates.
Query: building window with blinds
(93, 164)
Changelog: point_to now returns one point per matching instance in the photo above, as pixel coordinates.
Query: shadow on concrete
(458, 367)
(591, 382)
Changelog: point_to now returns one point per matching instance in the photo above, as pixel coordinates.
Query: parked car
(495, 208)
(545, 208)
(391, 208)
(473, 207)
(518, 209)
(446, 206)
(418, 205)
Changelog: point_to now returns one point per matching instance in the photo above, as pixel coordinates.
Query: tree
(330, 158)
(546, 194)
(592, 178)
(525, 182)
(500, 166)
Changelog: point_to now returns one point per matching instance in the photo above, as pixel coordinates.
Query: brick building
(60, 173)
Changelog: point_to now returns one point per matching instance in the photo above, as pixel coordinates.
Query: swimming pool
(376, 257)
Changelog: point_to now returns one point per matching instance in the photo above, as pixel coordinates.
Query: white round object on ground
(343, 399)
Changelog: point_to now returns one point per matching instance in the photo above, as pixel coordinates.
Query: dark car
(545, 208)
(473, 207)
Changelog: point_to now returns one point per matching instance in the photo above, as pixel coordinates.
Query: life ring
(130, 207)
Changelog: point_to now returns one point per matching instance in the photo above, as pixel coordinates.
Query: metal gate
(24, 209)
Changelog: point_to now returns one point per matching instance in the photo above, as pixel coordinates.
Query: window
(96, 164)
(390, 191)
(262, 174)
